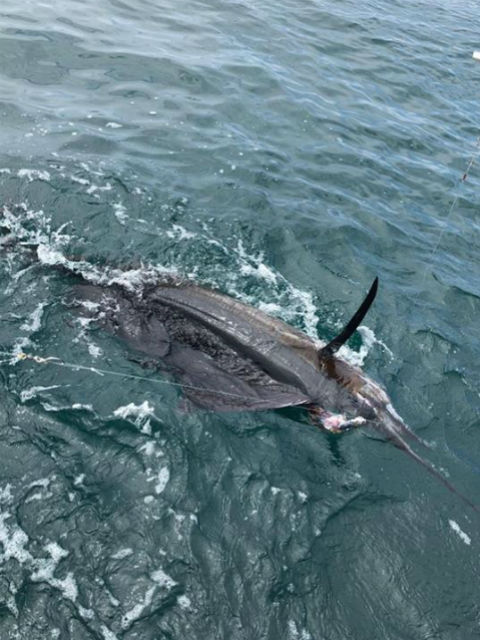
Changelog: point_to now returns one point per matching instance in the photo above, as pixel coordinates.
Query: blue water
(286, 153)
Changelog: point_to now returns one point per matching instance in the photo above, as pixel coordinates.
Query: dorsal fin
(342, 337)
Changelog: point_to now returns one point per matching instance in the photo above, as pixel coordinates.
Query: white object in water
(476, 55)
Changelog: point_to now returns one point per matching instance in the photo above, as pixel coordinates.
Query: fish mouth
(334, 422)
(387, 421)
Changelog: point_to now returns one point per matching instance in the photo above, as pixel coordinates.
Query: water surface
(285, 154)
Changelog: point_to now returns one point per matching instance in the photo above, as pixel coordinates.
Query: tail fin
(342, 337)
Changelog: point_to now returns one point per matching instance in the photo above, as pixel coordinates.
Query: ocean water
(286, 153)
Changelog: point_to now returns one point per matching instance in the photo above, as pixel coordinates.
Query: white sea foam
(78, 405)
(463, 536)
(259, 270)
(122, 553)
(308, 310)
(34, 496)
(114, 125)
(271, 308)
(34, 319)
(28, 394)
(178, 232)
(107, 633)
(295, 634)
(50, 407)
(93, 188)
(82, 181)
(141, 413)
(18, 347)
(34, 174)
(89, 305)
(293, 301)
(163, 478)
(13, 540)
(370, 339)
(79, 479)
(162, 579)
(87, 614)
(254, 265)
(41, 482)
(135, 612)
(184, 601)
(10, 599)
(131, 280)
(50, 256)
(179, 517)
(6, 494)
(357, 358)
(120, 212)
(46, 567)
(148, 447)
(138, 411)
(96, 172)
(15, 221)
(94, 350)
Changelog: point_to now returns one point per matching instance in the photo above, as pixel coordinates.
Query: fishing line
(103, 372)
(476, 150)
(463, 179)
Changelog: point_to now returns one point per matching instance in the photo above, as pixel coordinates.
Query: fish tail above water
(335, 344)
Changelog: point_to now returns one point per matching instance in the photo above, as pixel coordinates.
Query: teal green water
(286, 153)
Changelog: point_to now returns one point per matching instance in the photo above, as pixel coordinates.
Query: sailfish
(231, 356)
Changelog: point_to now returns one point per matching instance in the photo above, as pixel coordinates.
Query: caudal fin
(342, 337)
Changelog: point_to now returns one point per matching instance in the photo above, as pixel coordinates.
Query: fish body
(236, 356)
(231, 356)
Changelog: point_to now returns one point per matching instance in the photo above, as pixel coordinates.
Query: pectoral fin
(209, 386)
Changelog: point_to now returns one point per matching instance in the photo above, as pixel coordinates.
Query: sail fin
(348, 330)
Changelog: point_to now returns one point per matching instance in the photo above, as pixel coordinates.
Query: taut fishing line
(463, 179)
(460, 455)
(18, 357)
